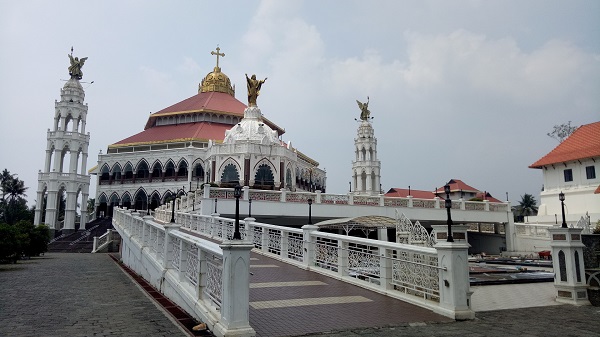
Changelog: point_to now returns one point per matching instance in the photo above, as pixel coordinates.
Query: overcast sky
(458, 89)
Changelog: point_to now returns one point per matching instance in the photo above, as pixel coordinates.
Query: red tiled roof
(202, 102)
(457, 185)
(583, 143)
(201, 131)
(488, 197)
(403, 193)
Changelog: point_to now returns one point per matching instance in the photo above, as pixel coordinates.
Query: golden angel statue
(253, 89)
(75, 67)
(365, 114)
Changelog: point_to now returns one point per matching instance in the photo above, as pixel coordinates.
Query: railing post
(318, 197)
(567, 262)
(410, 201)
(167, 247)
(265, 240)
(284, 244)
(95, 244)
(462, 204)
(350, 199)
(309, 245)
(455, 293)
(437, 202)
(235, 300)
(342, 267)
(385, 272)
(486, 205)
(249, 228)
(283, 195)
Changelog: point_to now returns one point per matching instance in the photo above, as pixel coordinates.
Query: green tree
(527, 205)
(562, 131)
(91, 205)
(13, 193)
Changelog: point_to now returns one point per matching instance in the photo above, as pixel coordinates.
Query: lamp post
(148, 207)
(561, 197)
(448, 206)
(237, 193)
(250, 207)
(310, 211)
(216, 205)
(173, 205)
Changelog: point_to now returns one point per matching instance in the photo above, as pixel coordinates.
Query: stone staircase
(81, 241)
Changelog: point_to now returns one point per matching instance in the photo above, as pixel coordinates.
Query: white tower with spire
(366, 168)
(64, 173)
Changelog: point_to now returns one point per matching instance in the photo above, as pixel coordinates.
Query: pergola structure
(365, 223)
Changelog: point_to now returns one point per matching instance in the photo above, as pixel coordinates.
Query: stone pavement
(76, 295)
(559, 320)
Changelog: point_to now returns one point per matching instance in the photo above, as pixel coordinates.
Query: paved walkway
(286, 300)
(76, 295)
(88, 295)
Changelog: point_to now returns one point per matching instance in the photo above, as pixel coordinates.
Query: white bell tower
(366, 168)
(64, 170)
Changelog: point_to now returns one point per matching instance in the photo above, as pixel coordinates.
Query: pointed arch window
(288, 179)
(230, 174)
(170, 169)
(264, 176)
(156, 170)
(128, 171)
(105, 173)
(142, 171)
(183, 169)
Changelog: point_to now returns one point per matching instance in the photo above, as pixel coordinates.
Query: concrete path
(76, 295)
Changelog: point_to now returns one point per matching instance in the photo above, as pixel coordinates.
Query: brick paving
(560, 320)
(76, 295)
(297, 318)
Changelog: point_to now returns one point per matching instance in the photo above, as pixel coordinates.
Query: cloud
(157, 81)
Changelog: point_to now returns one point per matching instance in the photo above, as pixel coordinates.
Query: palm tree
(528, 205)
(13, 191)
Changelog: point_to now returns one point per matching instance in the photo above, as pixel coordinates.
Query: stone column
(569, 269)
(236, 290)
(455, 293)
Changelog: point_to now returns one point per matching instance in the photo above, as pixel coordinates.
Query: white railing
(336, 199)
(187, 269)
(101, 242)
(533, 230)
(400, 270)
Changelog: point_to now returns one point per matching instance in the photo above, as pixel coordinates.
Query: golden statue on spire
(253, 89)
(76, 65)
(365, 114)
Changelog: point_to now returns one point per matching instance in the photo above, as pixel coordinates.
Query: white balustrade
(187, 269)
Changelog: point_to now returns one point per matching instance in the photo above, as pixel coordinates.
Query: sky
(458, 89)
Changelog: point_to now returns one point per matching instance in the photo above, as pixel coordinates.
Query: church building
(210, 137)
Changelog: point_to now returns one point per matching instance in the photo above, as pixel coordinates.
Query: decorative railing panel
(326, 253)
(415, 273)
(214, 275)
(367, 201)
(474, 206)
(335, 199)
(295, 246)
(364, 262)
(265, 195)
(395, 202)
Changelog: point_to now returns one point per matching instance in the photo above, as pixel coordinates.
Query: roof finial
(218, 54)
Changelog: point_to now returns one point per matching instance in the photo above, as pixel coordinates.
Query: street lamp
(310, 211)
(237, 193)
(250, 207)
(561, 197)
(173, 205)
(216, 205)
(448, 206)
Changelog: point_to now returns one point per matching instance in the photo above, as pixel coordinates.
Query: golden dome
(216, 81)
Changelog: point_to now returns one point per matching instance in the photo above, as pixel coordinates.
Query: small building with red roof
(210, 137)
(573, 167)
(458, 190)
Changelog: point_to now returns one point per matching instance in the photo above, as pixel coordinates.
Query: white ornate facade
(210, 137)
(65, 165)
(366, 168)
